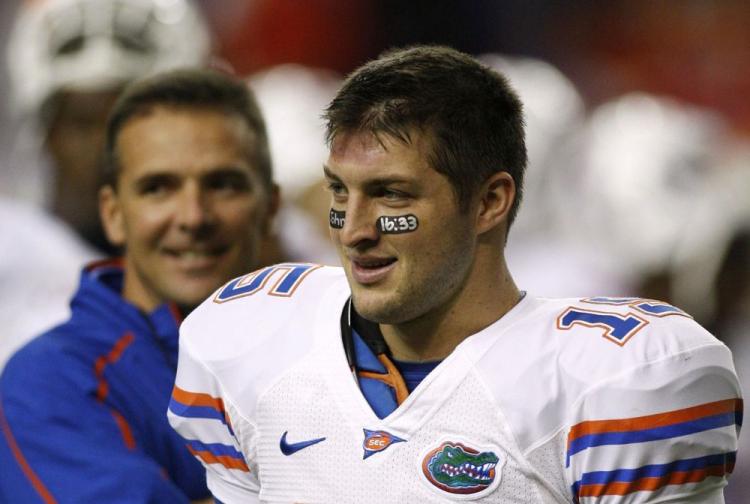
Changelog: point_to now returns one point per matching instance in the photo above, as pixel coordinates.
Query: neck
(483, 299)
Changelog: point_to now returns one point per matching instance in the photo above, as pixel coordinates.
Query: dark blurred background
(698, 50)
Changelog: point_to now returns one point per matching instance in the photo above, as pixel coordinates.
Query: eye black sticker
(336, 219)
(397, 224)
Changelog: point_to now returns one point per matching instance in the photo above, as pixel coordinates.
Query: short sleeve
(210, 426)
(666, 431)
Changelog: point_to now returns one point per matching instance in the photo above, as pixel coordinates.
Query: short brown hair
(200, 88)
(473, 117)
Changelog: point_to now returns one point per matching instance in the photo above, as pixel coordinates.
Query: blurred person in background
(733, 327)
(731, 319)
(292, 97)
(544, 258)
(67, 61)
(189, 195)
(40, 260)
(653, 198)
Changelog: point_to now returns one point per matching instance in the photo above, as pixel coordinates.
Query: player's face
(396, 278)
(190, 207)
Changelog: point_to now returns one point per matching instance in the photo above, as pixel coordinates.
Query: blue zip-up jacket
(82, 407)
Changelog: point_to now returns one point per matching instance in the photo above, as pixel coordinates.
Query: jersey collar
(362, 340)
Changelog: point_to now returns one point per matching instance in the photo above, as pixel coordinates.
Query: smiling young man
(189, 197)
(419, 372)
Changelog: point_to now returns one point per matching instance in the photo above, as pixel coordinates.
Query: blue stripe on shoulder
(206, 412)
(655, 434)
(218, 449)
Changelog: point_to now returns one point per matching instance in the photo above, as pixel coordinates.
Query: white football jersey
(560, 400)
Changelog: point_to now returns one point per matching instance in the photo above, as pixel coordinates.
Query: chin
(381, 311)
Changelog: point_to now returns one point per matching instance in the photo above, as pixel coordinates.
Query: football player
(420, 372)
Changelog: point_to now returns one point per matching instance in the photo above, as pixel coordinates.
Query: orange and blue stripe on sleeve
(656, 427)
(653, 477)
(197, 405)
(662, 426)
(217, 453)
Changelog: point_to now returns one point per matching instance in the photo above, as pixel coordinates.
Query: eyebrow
(155, 175)
(382, 181)
(228, 169)
(219, 169)
(329, 174)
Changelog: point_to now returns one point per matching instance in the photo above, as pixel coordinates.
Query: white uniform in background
(40, 265)
(561, 400)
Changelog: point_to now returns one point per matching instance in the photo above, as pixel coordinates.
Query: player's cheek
(397, 224)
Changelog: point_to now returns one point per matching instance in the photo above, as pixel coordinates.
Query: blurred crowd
(637, 194)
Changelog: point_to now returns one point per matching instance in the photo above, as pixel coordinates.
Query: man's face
(397, 278)
(190, 207)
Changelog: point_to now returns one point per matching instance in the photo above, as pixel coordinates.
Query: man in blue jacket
(189, 196)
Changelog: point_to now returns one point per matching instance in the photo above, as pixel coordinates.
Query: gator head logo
(458, 469)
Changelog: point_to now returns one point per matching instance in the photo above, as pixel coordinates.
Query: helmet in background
(554, 112)
(85, 45)
(655, 194)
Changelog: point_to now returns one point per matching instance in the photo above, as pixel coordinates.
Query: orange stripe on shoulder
(656, 420)
(228, 462)
(197, 399)
(36, 483)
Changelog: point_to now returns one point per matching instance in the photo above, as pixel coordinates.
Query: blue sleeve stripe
(657, 470)
(655, 434)
(206, 412)
(216, 453)
(653, 477)
(217, 449)
(184, 410)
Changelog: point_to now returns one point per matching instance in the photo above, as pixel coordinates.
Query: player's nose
(359, 223)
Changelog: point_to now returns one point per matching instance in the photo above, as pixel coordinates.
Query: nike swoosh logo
(290, 448)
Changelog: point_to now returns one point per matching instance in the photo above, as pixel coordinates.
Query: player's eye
(337, 189)
(393, 195)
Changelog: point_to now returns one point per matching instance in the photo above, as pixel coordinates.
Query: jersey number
(617, 327)
(291, 277)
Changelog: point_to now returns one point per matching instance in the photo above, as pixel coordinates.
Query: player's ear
(111, 215)
(495, 199)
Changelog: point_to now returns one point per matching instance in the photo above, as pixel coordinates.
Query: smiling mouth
(371, 270)
(196, 258)
(373, 263)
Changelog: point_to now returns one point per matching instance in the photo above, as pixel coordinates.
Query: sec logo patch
(377, 441)
(461, 470)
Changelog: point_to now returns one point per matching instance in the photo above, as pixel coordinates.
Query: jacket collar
(100, 296)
